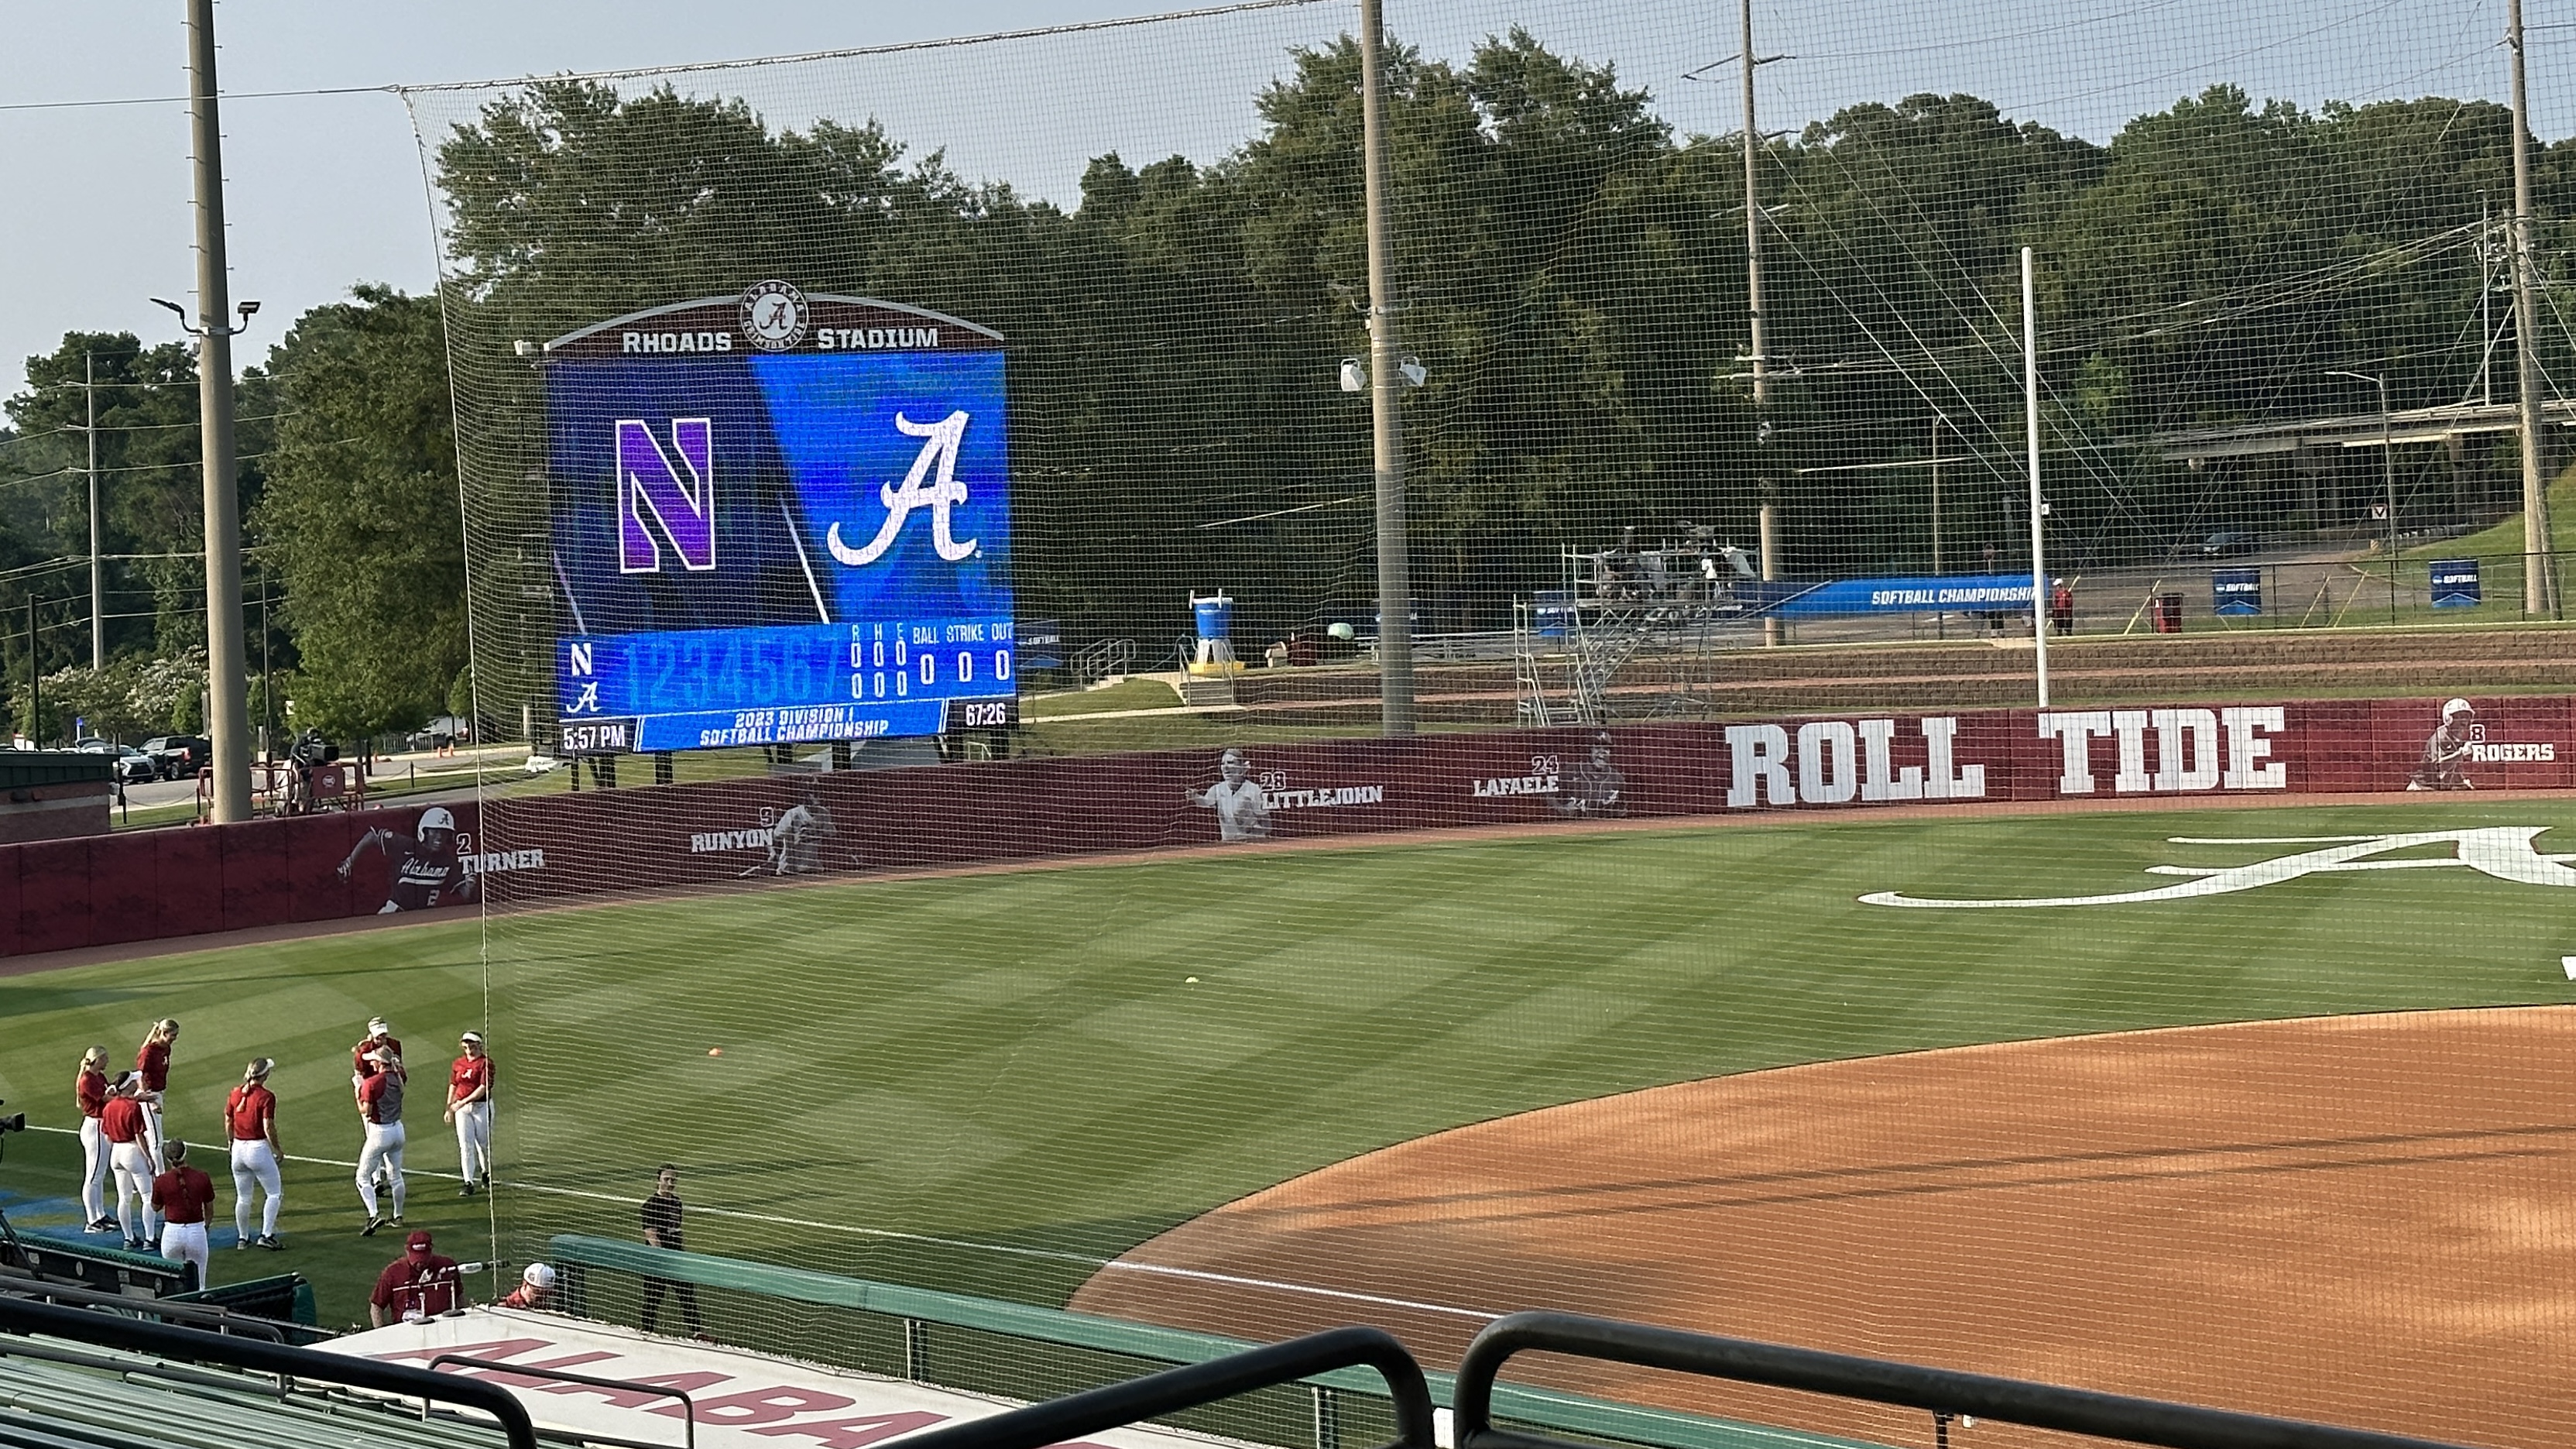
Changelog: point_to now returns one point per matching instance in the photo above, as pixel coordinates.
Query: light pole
(2387, 474)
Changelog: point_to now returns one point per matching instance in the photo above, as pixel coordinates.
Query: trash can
(2168, 613)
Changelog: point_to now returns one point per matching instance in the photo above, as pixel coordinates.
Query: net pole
(2038, 544)
(1394, 589)
(227, 689)
(2539, 569)
(1770, 517)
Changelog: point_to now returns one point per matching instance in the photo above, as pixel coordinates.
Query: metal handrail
(688, 1406)
(1943, 1392)
(20, 1315)
(209, 1315)
(1195, 1385)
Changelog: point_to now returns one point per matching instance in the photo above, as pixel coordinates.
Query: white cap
(2457, 706)
(539, 1275)
(377, 1026)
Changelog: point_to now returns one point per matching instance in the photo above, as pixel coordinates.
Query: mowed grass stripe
(1020, 1058)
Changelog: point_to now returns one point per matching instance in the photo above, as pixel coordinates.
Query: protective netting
(829, 424)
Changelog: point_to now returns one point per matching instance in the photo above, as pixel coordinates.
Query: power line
(183, 100)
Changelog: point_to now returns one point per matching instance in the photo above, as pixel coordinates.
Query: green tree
(360, 521)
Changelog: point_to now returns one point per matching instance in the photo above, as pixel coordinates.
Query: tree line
(1571, 274)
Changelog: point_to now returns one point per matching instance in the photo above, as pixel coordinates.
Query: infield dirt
(2361, 1220)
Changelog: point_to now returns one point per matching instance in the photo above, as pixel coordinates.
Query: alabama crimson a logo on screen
(774, 316)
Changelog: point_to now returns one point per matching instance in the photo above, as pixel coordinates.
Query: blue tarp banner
(1929, 595)
(2236, 593)
(2455, 584)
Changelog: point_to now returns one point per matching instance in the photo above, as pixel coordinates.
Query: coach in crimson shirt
(419, 1284)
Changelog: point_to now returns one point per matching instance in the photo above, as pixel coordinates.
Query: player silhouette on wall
(427, 871)
(1242, 811)
(2446, 752)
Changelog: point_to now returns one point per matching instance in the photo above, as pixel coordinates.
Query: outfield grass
(1020, 1060)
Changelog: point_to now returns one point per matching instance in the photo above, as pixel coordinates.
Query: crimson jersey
(247, 1111)
(358, 1054)
(466, 1075)
(122, 1120)
(153, 1062)
(423, 1284)
(91, 1092)
(381, 1098)
(183, 1194)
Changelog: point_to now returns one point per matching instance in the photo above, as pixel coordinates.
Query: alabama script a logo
(663, 498)
(2501, 852)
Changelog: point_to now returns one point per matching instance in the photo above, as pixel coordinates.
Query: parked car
(133, 767)
(178, 756)
(2229, 543)
(440, 733)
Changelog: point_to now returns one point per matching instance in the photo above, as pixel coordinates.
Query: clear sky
(326, 190)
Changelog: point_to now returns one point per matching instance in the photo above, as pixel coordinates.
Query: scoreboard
(779, 518)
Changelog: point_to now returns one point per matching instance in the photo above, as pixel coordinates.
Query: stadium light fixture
(1413, 370)
(1354, 375)
(246, 310)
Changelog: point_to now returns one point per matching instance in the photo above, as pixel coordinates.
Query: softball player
(380, 1037)
(250, 1114)
(536, 1288)
(130, 1153)
(380, 1102)
(362, 1060)
(89, 1090)
(469, 1106)
(152, 1063)
(183, 1194)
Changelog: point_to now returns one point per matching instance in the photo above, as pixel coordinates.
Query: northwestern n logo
(656, 498)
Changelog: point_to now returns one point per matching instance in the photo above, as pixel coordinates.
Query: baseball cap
(418, 1242)
(539, 1275)
(2457, 706)
(378, 1026)
(475, 1037)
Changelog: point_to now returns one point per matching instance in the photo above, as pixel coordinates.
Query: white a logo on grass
(2504, 852)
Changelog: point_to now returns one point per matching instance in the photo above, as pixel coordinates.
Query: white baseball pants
(255, 1166)
(94, 1171)
(474, 1140)
(383, 1153)
(134, 1174)
(186, 1243)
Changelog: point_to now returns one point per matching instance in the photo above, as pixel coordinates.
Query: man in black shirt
(662, 1229)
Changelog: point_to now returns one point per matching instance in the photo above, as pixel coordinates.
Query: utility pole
(2539, 567)
(1770, 530)
(228, 708)
(97, 610)
(35, 679)
(1386, 425)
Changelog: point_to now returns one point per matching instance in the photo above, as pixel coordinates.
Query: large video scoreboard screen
(779, 518)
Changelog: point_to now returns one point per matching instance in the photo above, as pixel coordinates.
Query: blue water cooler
(1214, 615)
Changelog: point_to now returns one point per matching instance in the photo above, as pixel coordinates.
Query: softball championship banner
(61, 894)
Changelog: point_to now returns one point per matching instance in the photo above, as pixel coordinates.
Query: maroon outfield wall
(107, 889)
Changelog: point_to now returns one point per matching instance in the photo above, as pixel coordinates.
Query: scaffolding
(1678, 605)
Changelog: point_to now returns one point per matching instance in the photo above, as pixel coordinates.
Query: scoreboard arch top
(773, 318)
